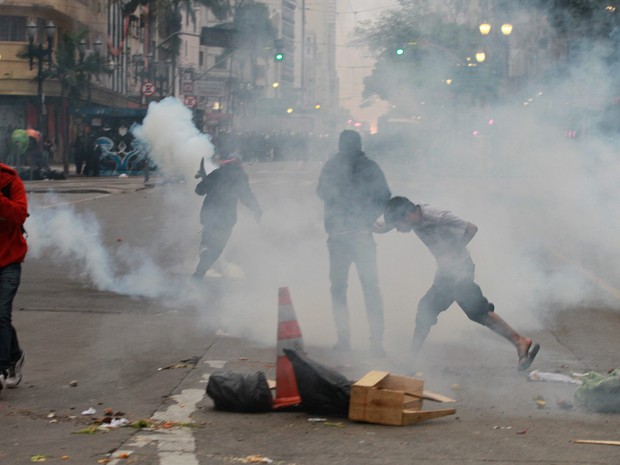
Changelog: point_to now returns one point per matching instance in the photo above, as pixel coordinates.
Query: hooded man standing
(354, 191)
(13, 248)
(223, 187)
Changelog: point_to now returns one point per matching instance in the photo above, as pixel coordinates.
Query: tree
(74, 73)
(169, 17)
(417, 49)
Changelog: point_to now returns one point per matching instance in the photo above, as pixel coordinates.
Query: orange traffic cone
(289, 337)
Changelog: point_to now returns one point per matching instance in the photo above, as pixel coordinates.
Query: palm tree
(73, 70)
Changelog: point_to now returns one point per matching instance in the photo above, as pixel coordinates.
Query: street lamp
(83, 51)
(485, 29)
(162, 76)
(41, 53)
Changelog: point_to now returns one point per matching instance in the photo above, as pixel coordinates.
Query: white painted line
(175, 446)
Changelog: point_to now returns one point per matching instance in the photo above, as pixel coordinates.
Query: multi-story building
(34, 92)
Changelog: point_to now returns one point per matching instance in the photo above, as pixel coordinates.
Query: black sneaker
(15, 372)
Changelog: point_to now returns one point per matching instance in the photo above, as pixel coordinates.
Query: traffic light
(399, 51)
(278, 46)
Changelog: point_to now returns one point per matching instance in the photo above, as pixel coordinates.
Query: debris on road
(337, 424)
(536, 375)
(600, 393)
(383, 398)
(89, 411)
(73, 383)
(256, 459)
(564, 404)
(38, 458)
(593, 441)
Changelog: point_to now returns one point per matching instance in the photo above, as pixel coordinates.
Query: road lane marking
(175, 446)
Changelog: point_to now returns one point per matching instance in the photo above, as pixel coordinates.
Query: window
(13, 29)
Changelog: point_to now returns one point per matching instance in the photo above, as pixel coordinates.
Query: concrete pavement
(83, 184)
(131, 355)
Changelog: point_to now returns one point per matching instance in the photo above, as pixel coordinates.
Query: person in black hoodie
(223, 188)
(355, 192)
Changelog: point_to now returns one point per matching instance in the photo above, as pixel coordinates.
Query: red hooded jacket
(13, 213)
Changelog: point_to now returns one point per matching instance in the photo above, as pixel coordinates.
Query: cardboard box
(386, 399)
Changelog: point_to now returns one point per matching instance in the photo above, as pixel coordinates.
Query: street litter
(317, 420)
(593, 441)
(502, 427)
(544, 376)
(38, 458)
(256, 459)
(73, 383)
(337, 424)
(540, 402)
(600, 393)
(564, 404)
(380, 397)
(303, 384)
(90, 411)
(115, 423)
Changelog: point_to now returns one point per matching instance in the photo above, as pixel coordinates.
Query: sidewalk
(77, 184)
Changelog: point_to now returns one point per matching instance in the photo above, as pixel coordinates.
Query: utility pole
(303, 53)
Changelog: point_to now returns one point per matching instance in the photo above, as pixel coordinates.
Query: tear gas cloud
(172, 139)
(534, 195)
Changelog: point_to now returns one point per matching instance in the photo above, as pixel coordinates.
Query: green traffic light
(400, 51)
(279, 56)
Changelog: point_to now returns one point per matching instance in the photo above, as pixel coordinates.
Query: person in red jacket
(13, 248)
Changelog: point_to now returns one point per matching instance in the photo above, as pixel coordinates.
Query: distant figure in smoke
(223, 187)
(354, 191)
(447, 236)
(93, 157)
(13, 248)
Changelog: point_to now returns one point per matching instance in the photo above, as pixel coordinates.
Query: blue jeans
(9, 346)
(345, 250)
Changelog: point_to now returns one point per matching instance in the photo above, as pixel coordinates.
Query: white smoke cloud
(172, 139)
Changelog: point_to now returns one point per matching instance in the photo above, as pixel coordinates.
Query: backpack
(6, 191)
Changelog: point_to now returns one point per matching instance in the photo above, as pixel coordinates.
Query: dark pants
(79, 161)
(9, 346)
(448, 289)
(214, 239)
(360, 249)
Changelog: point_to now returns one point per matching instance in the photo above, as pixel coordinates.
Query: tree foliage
(72, 71)
(436, 43)
(417, 50)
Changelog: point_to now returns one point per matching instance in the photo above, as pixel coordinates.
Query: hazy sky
(354, 64)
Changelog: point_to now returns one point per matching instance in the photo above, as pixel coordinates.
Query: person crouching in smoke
(447, 236)
(222, 188)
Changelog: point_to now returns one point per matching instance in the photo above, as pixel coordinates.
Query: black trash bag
(237, 392)
(323, 390)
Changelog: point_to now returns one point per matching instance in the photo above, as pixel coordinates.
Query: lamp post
(505, 29)
(162, 76)
(83, 51)
(41, 53)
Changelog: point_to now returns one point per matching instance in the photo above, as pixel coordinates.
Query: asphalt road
(109, 319)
